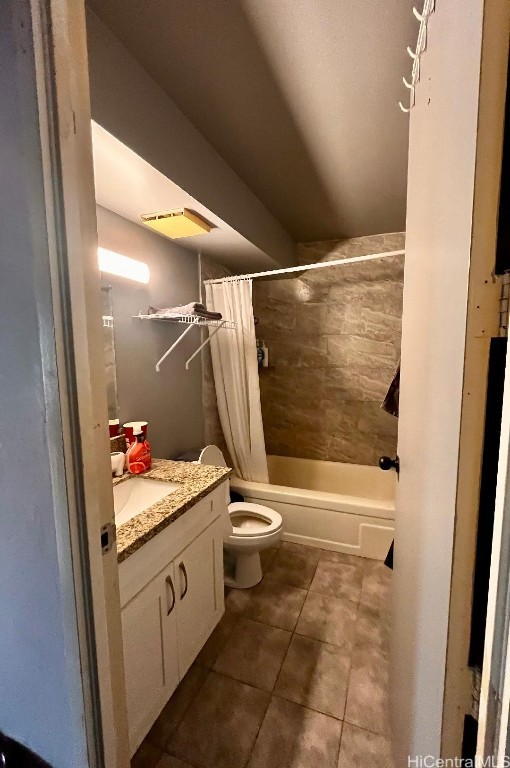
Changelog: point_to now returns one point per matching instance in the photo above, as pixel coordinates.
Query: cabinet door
(199, 577)
(150, 653)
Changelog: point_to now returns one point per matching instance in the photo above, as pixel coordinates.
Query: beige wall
(171, 401)
(334, 342)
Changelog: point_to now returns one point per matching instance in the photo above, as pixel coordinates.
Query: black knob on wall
(385, 462)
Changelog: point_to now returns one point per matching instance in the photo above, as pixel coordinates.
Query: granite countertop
(197, 480)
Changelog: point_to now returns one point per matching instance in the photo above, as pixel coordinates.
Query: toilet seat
(257, 528)
(258, 520)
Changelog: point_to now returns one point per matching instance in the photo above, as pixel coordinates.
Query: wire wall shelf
(190, 321)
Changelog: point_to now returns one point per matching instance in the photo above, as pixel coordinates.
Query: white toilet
(254, 528)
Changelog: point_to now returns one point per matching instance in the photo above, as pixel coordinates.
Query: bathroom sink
(133, 496)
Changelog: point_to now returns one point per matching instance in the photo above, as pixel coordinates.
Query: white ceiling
(126, 184)
(300, 97)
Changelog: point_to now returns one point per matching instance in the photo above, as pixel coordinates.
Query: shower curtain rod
(306, 267)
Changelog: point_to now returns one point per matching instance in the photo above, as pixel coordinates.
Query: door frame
(482, 325)
(495, 690)
(60, 52)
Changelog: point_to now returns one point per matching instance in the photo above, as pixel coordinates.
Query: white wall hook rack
(190, 321)
(421, 45)
(419, 15)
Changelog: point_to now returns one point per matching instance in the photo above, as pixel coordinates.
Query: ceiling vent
(180, 222)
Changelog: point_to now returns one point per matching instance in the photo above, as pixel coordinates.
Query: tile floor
(294, 676)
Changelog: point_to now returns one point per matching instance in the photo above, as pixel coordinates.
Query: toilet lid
(253, 519)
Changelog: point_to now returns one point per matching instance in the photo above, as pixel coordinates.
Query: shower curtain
(236, 378)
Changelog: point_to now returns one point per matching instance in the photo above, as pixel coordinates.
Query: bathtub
(342, 507)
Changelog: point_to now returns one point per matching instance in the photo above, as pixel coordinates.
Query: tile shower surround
(334, 342)
(295, 674)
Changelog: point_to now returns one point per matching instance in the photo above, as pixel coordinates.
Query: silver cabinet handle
(182, 569)
(170, 584)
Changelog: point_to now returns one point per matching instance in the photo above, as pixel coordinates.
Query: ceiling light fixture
(180, 222)
(122, 266)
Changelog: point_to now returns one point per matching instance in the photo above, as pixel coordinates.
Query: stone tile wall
(334, 342)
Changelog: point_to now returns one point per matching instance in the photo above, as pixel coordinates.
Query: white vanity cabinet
(170, 608)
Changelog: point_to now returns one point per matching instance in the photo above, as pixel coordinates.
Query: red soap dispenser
(138, 457)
